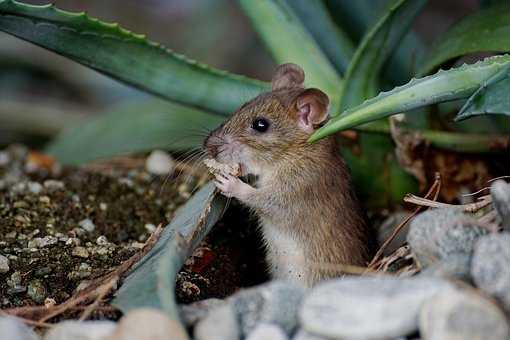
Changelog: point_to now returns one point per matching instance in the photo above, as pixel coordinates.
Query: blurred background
(41, 93)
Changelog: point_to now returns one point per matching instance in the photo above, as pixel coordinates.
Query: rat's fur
(309, 215)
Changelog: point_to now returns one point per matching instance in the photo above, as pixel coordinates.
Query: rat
(308, 213)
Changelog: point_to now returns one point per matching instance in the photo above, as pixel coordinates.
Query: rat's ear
(312, 109)
(288, 76)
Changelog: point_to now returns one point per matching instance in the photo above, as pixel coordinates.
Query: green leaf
(127, 57)
(289, 41)
(357, 16)
(361, 80)
(134, 128)
(443, 86)
(491, 98)
(151, 282)
(485, 31)
(335, 43)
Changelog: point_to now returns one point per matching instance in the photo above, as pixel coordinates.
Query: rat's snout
(212, 144)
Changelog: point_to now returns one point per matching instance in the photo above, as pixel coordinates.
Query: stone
(41, 242)
(489, 267)
(267, 331)
(15, 329)
(80, 252)
(36, 290)
(304, 335)
(500, 192)
(160, 163)
(53, 185)
(87, 225)
(4, 264)
(276, 302)
(81, 330)
(462, 316)
(102, 241)
(34, 187)
(453, 267)
(219, 324)
(148, 324)
(194, 312)
(367, 307)
(440, 233)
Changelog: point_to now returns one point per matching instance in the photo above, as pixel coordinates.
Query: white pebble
(150, 227)
(81, 330)
(87, 225)
(159, 163)
(34, 187)
(4, 264)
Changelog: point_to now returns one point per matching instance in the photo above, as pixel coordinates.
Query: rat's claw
(232, 186)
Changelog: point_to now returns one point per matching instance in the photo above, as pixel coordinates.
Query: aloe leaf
(134, 128)
(335, 43)
(151, 282)
(362, 75)
(491, 98)
(127, 57)
(357, 16)
(289, 41)
(485, 31)
(457, 83)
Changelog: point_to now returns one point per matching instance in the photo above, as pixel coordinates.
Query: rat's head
(273, 126)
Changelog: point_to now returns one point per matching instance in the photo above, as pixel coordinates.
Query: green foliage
(457, 83)
(128, 57)
(151, 282)
(145, 126)
(485, 31)
(289, 41)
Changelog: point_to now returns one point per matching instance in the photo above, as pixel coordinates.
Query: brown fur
(303, 189)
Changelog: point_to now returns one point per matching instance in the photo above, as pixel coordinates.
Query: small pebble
(80, 252)
(102, 241)
(35, 188)
(5, 158)
(490, 266)
(267, 331)
(12, 328)
(148, 324)
(53, 185)
(150, 227)
(81, 330)
(87, 225)
(159, 163)
(219, 324)
(367, 307)
(437, 234)
(500, 192)
(4, 264)
(462, 316)
(36, 290)
(103, 206)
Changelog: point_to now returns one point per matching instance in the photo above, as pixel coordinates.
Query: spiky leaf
(127, 57)
(457, 83)
(485, 31)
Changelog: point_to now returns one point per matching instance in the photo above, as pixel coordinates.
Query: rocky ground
(63, 227)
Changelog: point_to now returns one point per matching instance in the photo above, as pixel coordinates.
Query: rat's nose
(212, 144)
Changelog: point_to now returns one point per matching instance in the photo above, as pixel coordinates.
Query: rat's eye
(260, 125)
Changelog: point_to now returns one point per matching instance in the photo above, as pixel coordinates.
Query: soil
(62, 227)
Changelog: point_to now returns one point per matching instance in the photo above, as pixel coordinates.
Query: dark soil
(61, 228)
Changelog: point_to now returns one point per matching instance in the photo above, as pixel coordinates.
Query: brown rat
(309, 216)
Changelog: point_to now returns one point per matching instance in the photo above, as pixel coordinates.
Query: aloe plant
(352, 62)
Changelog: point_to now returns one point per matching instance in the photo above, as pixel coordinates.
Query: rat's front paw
(232, 186)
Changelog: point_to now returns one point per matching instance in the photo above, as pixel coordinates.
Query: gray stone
(367, 307)
(160, 163)
(452, 267)
(81, 330)
(87, 225)
(53, 185)
(440, 233)
(4, 264)
(219, 324)
(304, 335)
(500, 192)
(15, 329)
(36, 290)
(490, 266)
(462, 316)
(276, 302)
(148, 324)
(267, 331)
(194, 312)
(80, 252)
